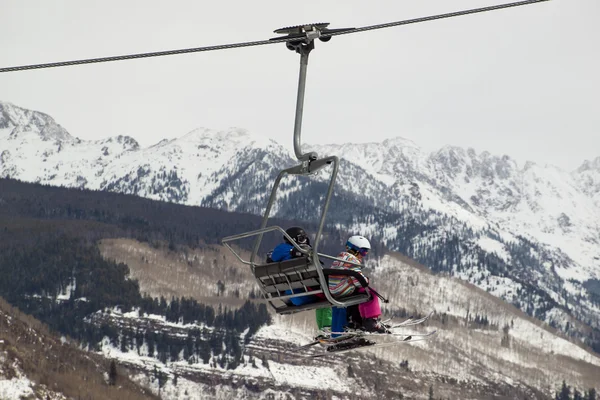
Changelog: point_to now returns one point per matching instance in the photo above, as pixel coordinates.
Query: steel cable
(264, 42)
(435, 17)
(142, 55)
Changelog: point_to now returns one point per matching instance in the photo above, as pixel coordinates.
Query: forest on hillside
(52, 267)
(119, 215)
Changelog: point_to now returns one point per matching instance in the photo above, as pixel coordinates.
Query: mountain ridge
(470, 214)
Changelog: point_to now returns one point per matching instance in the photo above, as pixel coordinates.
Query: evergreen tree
(350, 371)
(162, 378)
(150, 340)
(565, 392)
(204, 350)
(112, 373)
(124, 342)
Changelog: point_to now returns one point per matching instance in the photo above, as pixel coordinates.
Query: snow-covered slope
(472, 215)
(482, 345)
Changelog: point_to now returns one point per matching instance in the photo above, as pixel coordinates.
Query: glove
(296, 253)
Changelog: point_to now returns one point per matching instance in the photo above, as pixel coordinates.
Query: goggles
(301, 239)
(363, 252)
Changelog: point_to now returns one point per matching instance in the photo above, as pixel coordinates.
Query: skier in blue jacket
(286, 251)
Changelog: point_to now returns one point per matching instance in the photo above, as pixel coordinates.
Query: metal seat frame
(290, 276)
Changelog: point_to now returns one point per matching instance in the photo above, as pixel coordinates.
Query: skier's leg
(323, 316)
(326, 317)
(370, 309)
(370, 312)
(338, 320)
(318, 318)
(354, 318)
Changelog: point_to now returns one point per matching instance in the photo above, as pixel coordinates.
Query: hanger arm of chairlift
(310, 164)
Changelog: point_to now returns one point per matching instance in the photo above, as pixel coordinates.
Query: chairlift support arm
(310, 163)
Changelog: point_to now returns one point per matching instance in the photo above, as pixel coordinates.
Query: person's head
(358, 246)
(298, 235)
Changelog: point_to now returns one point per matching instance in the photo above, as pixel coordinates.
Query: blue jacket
(283, 252)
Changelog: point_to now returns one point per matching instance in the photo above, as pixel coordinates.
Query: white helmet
(360, 244)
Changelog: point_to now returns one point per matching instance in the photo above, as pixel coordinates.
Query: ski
(406, 321)
(385, 321)
(355, 333)
(331, 350)
(305, 346)
(410, 321)
(325, 340)
(360, 333)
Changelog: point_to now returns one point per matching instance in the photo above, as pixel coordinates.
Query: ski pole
(378, 295)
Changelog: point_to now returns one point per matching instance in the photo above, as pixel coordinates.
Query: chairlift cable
(290, 38)
(141, 55)
(436, 17)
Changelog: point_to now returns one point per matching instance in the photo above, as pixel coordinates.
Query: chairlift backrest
(299, 278)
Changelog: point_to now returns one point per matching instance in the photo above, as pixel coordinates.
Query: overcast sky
(522, 81)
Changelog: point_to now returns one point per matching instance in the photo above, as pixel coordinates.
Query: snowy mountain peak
(400, 142)
(454, 160)
(588, 165)
(390, 158)
(403, 149)
(127, 142)
(19, 121)
(231, 137)
(588, 178)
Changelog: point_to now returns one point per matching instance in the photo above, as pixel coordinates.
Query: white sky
(523, 81)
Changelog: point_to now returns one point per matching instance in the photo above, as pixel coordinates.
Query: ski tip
(431, 333)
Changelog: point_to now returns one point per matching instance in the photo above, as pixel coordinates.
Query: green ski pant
(323, 317)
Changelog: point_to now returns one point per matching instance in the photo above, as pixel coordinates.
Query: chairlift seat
(278, 280)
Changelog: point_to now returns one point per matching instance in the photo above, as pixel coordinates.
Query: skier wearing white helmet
(357, 247)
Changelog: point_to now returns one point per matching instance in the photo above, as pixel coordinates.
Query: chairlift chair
(303, 276)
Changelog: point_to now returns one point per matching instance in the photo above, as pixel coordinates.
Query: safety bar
(261, 232)
(348, 272)
(233, 238)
